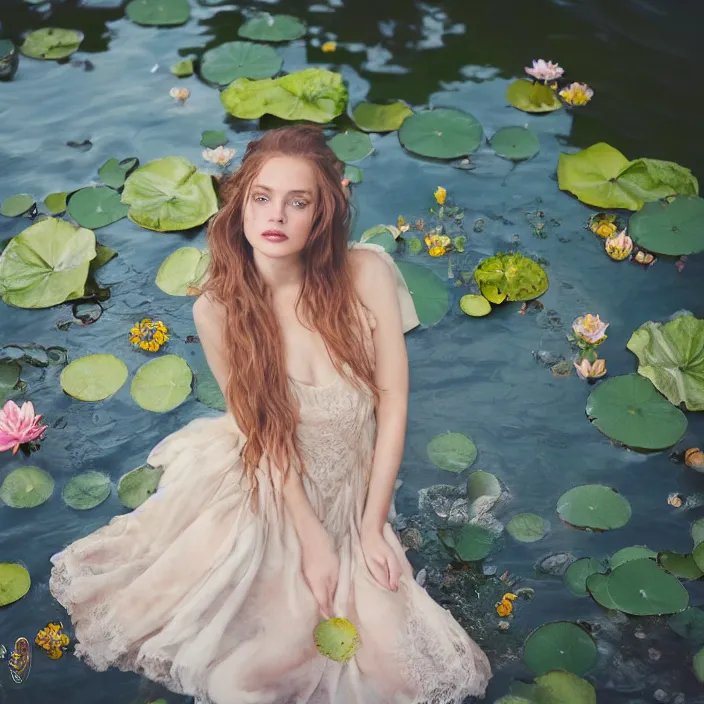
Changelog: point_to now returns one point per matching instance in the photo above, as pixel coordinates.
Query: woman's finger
(380, 573)
(395, 571)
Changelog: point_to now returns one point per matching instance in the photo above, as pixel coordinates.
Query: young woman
(273, 516)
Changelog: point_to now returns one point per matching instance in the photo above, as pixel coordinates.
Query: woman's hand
(380, 558)
(321, 567)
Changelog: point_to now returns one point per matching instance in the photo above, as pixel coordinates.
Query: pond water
(477, 376)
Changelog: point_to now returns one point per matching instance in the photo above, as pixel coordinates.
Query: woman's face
(280, 206)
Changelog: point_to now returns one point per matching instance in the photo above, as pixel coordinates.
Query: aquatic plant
(221, 156)
(19, 425)
(545, 70)
(619, 247)
(337, 639)
(505, 606)
(53, 640)
(587, 370)
(328, 47)
(590, 328)
(577, 94)
(180, 93)
(510, 277)
(149, 335)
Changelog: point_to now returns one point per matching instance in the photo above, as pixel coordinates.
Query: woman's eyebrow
(298, 191)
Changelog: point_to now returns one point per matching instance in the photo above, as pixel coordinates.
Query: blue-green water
(476, 376)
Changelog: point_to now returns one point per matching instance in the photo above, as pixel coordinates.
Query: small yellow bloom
(180, 94)
(328, 47)
(402, 225)
(505, 606)
(577, 94)
(675, 500)
(619, 247)
(53, 640)
(440, 195)
(437, 251)
(644, 257)
(149, 335)
(603, 224)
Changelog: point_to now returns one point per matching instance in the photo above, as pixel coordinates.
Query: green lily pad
(698, 665)
(697, 531)
(532, 97)
(469, 543)
(428, 290)
(594, 506)
(578, 573)
(336, 639)
(159, 13)
(526, 527)
(103, 255)
(86, 491)
(510, 699)
(698, 555)
(559, 687)
(636, 552)
(46, 264)
(381, 117)
(14, 582)
(641, 588)
(26, 487)
(381, 235)
(475, 305)
(16, 205)
(515, 143)
(212, 139)
(51, 43)
(94, 377)
(689, 624)
(137, 485)
(9, 379)
(673, 228)
(353, 173)
(162, 384)
(182, 270)
(441, 134)
(113, 172)
(453, 452)
(96, 206)
(183, 68)
(598, 586)
(207, 390)
(652, 179)
(483, 485)
(630, 410)
(272, 28)
(559, 646)
(510, 277)
(232, 60)
(314, 94)
(169, 194)
(351, 145)
(56, 202)
(671, 355)
(681, 566)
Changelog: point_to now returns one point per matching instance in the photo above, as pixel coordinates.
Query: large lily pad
(159, 13)
(86, 491)
(137, 485)
(594, 506)
(468, 544)
(381, 117)
(441, 134)
(26, 487)
(314, 94)
(515, 143)
(598, 586)
(634, 552)
(630, 410)
(559, 646)
(162, 384)
(560, 687)
(169, 194)
(51, 43)
(510, 277)
(532, 97)
(453, 452)
(14, 582)
(652, 179)
(351, 145)
(673, 228)
(428, 290)
(97, 206)
(182, 271)
(272, 28)
(526, 527)
(671, 355)
(578, 573)
(94, 377)
(232, 60)
(46, 264)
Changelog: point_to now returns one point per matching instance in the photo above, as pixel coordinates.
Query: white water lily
(221, 156)
(545, 70)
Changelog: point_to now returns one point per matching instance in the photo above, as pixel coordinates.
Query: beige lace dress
(195, 591)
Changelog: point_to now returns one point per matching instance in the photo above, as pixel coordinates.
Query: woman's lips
(274, 236)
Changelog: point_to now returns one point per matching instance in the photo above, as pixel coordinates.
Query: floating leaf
(183, 69)
(351, 145)
(95, 207)
(559, 646)
(652, 179)
(441, 134)
(481, 484)
(510, 699)
(51, 43)
(526, 527)
(671, 355)
(429, 293)
(674, 228)
(162, 384)
(9, 379)
(14, 582)
(563, 688)
(636, 552)
(698, 555)
(94, 377)
(474, 305)
(598, 586)
(169, 194)
(629, 409)
(137, 485)
(206, 389)
(578, 573)
(380, 117)
(336, 639)
(510, 277)
(453, 452)
(232, 60)
(689, 624)
(594, 506)
(697, 531)
(353, 173)
(681, 566)
(56, 202)
(103, 255)
(382, 235)
(46, 264)
(159, 13)
(16, 205)
(27, 487)
(515, 143)
(113, 172)
(182, 270)
(314, 94)
(469, 543)
(532, 97)
(212, 139)
(698, 665)
(272, 28)
(641, 588)
(86, 491)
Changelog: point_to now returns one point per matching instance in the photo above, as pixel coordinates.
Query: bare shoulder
(208, 314)
(371, 274)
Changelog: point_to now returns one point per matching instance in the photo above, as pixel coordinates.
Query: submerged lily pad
(26, 487)
(14, 206)
(474, 305)
(594, 506)
(510, 277)
(515, 143)
(689, 624)
(272, 28)
(159, 13)
(470, 543)
(46, 264)
(443, 133)
(137, 485)
(681, 566)
(9, 379)
(428, 290)
(94, 377)
(578, 573)
(351, 145)
(96, 206)
(381, 117)
(526, 527)
(481, 484)
(86, 491)
(559, 646)
(671, 355)
(14, 582)
(51, 43)
(162, 384)
(113, 172)
(674, 228)
(383, 235)
(453, 452)
(559, 687)
(228, 62)
(532, 97)
(206, 388)
(337, 639)
(629, 409)
(169, 194)
(182, 271)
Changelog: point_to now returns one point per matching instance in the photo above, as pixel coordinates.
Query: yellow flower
(577, 94)
(437, 251)
(505, 606)
(590, 370)
(180, 94)
(149, 335)
(328, 47)
(440, 195)
(402, 225)
(619, 247)
(53, 640)
(603, 224)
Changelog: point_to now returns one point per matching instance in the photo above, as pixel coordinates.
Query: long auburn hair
(258, 393)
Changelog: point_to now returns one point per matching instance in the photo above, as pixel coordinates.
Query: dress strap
(409, 317)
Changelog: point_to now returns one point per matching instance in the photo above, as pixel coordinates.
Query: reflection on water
(477, 376)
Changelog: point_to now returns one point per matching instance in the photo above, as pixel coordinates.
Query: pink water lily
(619, 246)
(590, 328)
(19, 425)
(590, 370)
(545, 70)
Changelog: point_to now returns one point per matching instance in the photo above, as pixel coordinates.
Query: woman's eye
(260, 199)
(299, 203)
